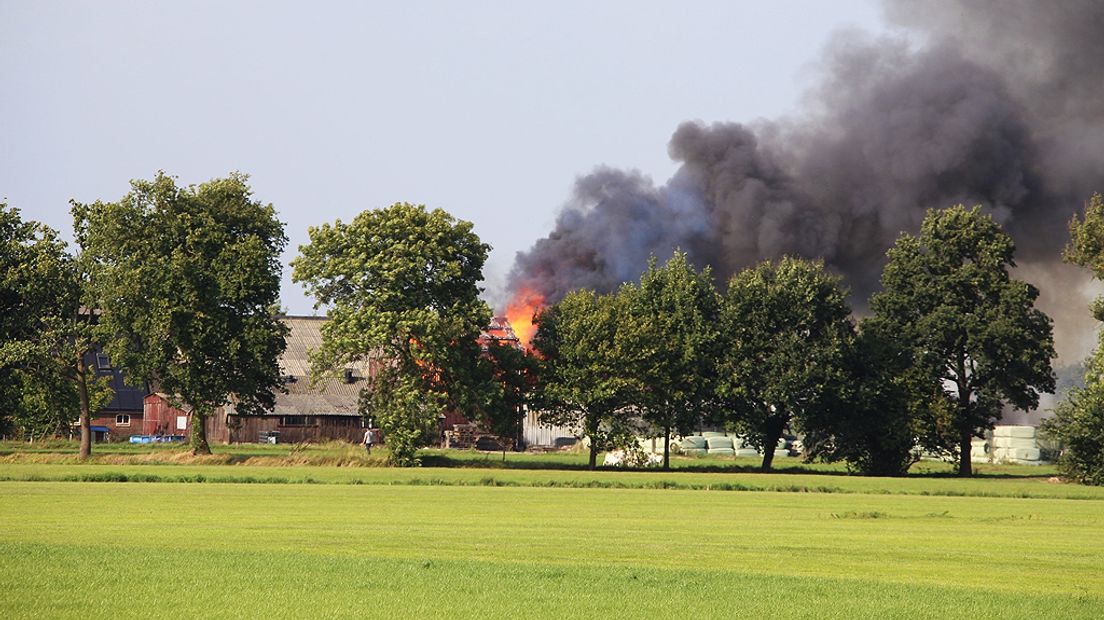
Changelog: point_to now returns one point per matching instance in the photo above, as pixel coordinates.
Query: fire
(520, 312)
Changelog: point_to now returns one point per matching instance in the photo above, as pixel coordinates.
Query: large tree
(1078, 422)
(974, 332)
(401, 284)
(585, 383)
(873, 417)
(786, 329)
(186, 281)
(45, 335)
(670, 335)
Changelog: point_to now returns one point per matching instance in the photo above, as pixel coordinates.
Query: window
(122, 420)
(297, 420)
(103, 362)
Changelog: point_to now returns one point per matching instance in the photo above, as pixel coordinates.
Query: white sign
(181, 422)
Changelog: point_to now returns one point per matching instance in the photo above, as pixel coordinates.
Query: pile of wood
(464, 436)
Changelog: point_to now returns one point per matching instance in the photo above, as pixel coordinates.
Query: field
(537, 538)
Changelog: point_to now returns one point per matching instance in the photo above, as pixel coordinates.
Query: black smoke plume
(997, 102)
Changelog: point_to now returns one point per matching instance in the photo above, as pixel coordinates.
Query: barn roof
(327, 396)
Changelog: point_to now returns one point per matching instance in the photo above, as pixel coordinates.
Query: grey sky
(488, 110)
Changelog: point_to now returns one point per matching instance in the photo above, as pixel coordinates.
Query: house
(123, 416)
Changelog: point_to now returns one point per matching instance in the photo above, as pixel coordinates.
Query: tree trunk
(965, 468)
(85, 413)
(770, 442)
(667, 447)
(199, 434)
(593, 464)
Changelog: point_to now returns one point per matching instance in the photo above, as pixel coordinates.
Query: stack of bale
(719, 445)
(694, 445)
(1015, 444)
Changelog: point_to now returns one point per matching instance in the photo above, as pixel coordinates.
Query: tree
(1078, 421)
(873, 419)
(585, 383)
(186, 281)
(975, 335)
(401, 285)
(785, 330)
(47, 334)
(670, 339)
(514, 373)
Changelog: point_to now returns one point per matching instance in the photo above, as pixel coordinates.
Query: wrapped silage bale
(1013, 442)
(719, 443)
(781, 444)
(1024, 454)
(722, 452)
(694, 451)
(1015, 431)
(747, 452)
(780, 453)
(708, 434)
(693, 442)
(737, 443)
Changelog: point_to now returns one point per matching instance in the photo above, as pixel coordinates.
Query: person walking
(369, 439)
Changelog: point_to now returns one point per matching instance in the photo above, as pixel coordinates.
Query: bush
(1078, 426)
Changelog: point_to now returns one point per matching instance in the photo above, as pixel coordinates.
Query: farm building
(123, 416)
(324, 411)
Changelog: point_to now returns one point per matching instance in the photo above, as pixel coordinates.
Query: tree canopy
(1078, 422)
(585, 383)
(670, 344)
(786, 328)
(973, 331)
(186, 281)
(401, 285)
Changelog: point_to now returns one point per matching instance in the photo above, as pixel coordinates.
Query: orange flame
(520, 311)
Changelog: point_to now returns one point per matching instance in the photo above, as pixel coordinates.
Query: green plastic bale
(693, 442)
(694, 451)
(722, 452)
(719, 443)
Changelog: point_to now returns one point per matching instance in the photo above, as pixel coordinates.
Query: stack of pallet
(1015, 444)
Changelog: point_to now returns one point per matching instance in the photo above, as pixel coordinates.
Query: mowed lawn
(72, 549)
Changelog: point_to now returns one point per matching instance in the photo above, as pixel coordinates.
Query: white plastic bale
(780, 453)
(747, 452)
(1018, 431)
(1013, 442)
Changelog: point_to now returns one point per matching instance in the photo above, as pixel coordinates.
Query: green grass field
(472, 540)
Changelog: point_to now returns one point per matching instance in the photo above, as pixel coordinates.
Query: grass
(340, 550)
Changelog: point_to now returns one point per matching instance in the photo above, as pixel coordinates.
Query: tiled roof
(327, 396)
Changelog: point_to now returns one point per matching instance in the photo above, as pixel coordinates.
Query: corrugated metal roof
(328, 396)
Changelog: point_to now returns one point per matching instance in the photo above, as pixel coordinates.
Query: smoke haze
(997, 103)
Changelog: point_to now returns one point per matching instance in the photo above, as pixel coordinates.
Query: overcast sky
(487, 110)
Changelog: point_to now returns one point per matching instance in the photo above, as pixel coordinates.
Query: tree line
(180, 287)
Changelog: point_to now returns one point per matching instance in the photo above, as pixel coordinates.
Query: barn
(324, 411)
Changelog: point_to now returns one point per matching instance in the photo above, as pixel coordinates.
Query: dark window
(103, 362)
(297, 420)
(122, 420)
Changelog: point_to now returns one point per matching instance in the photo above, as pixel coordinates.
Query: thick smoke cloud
(995, 103)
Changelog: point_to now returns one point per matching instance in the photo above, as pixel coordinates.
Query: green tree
(186, 281)
(47, 336)
(873, 418)
(401, 285)
(1078, 421)
(786, 329)
(585, 383)
(974, 332)
(670, 339)
(514, 375)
